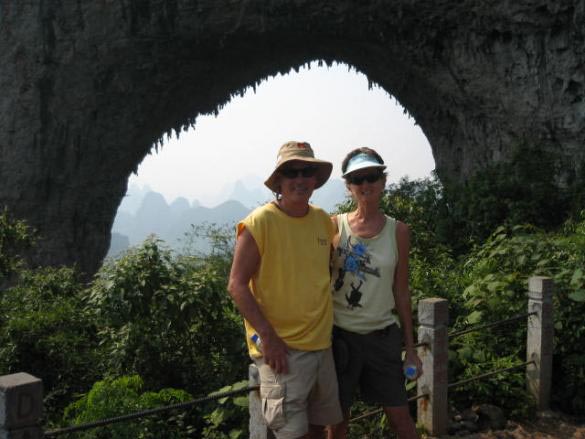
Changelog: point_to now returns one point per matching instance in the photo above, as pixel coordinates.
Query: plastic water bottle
(410, 371)
(257, 341)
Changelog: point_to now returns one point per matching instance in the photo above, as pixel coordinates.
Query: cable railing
(489, 374)
(149, 412)
(23, 390)
(380, 410)
(501, 322)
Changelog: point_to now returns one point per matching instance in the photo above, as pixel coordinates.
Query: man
(280, 283)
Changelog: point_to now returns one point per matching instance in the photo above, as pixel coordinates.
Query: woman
(370, 286)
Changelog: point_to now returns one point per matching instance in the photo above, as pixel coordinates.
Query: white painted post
(21, 406)
(257, 425)
(539, 340)
(432, 412)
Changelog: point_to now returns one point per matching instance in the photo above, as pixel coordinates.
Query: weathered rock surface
(87, 87)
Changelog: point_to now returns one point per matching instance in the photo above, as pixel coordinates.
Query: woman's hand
(412, 358)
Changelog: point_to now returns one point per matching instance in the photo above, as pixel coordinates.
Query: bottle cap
(410, 371)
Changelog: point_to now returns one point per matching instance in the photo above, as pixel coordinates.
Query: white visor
(362, 161)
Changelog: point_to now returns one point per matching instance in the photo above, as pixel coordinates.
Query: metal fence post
(257, 426)
(433, 317)
(539, 340)
(21, 406)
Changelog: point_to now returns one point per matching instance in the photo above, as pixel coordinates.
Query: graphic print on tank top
(356, 260)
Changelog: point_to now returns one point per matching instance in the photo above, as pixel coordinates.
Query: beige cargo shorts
(306, 395)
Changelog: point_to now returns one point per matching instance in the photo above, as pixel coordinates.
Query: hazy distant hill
(250, 195)
(118, 244)
(144, 212)
(170, 222)
(330, 195)
(133, 198)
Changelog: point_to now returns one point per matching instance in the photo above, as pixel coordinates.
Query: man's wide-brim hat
(302, 152)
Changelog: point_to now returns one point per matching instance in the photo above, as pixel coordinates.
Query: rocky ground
(551, 426)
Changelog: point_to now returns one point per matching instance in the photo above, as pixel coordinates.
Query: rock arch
(86, 88)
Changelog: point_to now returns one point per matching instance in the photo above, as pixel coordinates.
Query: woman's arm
(335, 231)
(334, 242)
(402, 293)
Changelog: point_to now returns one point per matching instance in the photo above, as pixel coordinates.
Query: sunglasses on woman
(308, 171)
(359, 179)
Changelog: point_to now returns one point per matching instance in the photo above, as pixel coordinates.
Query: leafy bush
(169, 320)
(125, 395)
(165, 316)
(15, 236)
(497, 275)
(228, 417)
(45, 331)
(524, 190)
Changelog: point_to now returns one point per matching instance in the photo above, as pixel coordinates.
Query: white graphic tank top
(363, 278)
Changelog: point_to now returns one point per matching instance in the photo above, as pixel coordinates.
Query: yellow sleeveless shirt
(293, 280)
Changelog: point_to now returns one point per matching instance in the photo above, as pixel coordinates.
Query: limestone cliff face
(87, 87)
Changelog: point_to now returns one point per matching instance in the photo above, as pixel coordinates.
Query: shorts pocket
(273, 405)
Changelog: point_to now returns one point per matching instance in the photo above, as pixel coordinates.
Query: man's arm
(245, 264)
(402, 294)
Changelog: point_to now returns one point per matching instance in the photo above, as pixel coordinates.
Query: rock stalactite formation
(86, 88)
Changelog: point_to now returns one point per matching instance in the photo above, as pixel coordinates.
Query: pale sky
(331, 108)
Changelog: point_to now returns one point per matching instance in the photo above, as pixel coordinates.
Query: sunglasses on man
(308, 171)
(359, 179)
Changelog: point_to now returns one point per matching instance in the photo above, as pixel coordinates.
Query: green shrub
(227, 418)
(526, 189)
(45, 331)
(497, 275)
(15, 237)
(125, 395)
(168, 319)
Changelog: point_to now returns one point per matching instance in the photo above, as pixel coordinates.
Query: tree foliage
(526, 189)
(496, 275)
(161, 317)
(157, 311)
(15, 236)
(45, 331)
(110, 398)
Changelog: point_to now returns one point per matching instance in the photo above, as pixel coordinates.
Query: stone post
(539, 340)
(258, 428)
(433, 317)
(21, 406)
